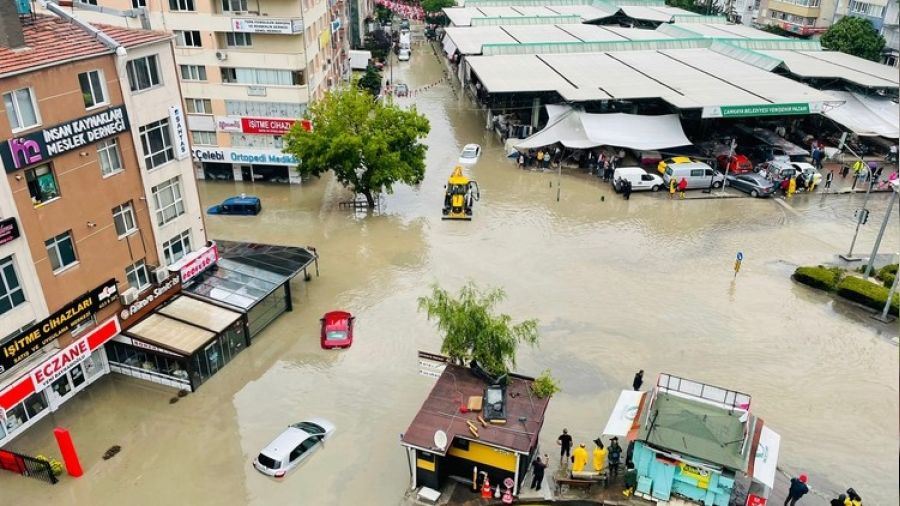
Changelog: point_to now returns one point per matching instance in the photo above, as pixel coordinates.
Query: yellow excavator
(461, 195)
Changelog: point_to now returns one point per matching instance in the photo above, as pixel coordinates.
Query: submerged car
(337, 330)
(470, 154)
(292, 447)
(754, 184)
(242, 205)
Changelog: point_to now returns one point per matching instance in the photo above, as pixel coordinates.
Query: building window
(264, 109)
(866, 9)
(137, 4)
(193, 72)
(41, 184)
(123, 217)
(198, 105)
(262, 76)
(92, 88)
(137, 277)
(157, 143)
(61, 250)
(168, 201)
(257, 141)
(143, 73)
(188, 38)
(234, 5)
(233, 39)
(110, 157)
(11, 293)
(177, 247)
(181, 5)
(21, 109)
(203, 138)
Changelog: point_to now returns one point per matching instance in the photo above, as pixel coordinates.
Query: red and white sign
(54, 367)
(198, 262)
(271, 126)
(755, 500)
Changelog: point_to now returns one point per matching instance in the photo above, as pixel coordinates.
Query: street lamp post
(887, 216)
(887, 305)
(862, 212)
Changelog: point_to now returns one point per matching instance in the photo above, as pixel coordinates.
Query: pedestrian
(828, 179)
(540, 158)
(579, 459)
(547, 160)
(792, 187)
(615, 454)
(852, 498)
(537, 468)
(565, 446)
(892, 156)
(811, 183)
(638, 380)
(840, 500)
(600, 455)
(682, 186)
(626, 190)
(607, 165)
(521, 161)
(877, 174)
(798, 489)
(845, 170)
(817, 156)
(672, 185)
(801, 181)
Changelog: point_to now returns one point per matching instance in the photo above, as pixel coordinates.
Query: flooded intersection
(617, 286)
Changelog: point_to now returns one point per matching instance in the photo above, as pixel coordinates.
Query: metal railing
(727, 398)
(27, 466)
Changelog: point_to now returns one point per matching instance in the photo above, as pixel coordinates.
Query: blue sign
(740, 256)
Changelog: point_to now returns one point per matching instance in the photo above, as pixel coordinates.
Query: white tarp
(765, 462)
(577, 129)
(866, 116)
(623, 413)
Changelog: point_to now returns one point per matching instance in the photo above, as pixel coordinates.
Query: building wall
(86, 196)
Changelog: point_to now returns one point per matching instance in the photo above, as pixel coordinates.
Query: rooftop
(51, 40)
(440, 411)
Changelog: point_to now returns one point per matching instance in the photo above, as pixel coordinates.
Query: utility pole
(895, 188)
(732, 145)
(862, 214)
(883, 317)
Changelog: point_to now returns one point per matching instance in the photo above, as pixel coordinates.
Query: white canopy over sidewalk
(866, 116)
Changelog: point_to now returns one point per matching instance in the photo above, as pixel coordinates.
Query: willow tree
(472, 330)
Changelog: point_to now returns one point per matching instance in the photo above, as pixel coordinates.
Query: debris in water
(113, 450)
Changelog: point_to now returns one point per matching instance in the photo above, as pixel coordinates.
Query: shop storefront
(247, 164)
(49, 379)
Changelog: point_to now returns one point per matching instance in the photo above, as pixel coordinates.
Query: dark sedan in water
(754, 184)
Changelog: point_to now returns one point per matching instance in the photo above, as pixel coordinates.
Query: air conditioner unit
(128, 296)
(160, 275)
(221, 56)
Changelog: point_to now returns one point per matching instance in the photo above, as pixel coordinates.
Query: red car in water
(337, 330)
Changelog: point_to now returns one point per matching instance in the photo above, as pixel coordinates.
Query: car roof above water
(285, 443)
(242, 200)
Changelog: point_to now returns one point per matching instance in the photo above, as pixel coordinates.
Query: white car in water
(292, 447)
(470, 154)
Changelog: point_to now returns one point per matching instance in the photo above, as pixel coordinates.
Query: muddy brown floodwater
(617, 286)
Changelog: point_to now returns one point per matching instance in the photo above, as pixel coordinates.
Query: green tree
(367, 144)
(436, 5)
(371, 80)
(854, 36)
(472, 330)
(383, 14)
(378, 42)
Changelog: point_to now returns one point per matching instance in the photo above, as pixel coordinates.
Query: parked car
(661, 166)
(404, 24)
(242, 205)
(764, 153)
(337, 330)
(640, 179)
(737, 164)
(292, 447)
(403, 55)
(754, 184)
(470, 154)
(647, 158)
(808, 171)
(697, 174)
(401, 90)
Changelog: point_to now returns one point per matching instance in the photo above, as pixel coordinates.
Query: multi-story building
(883, 14)
(248, 70)
(803, 17)
(97, 200)
(890, 29)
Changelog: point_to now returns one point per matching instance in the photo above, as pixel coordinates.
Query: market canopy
(866, 115)
(576, 129)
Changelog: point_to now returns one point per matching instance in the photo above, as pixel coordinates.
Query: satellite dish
(440, 439)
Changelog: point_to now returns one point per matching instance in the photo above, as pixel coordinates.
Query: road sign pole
(887, 305)
(849, 256)
(887, 216)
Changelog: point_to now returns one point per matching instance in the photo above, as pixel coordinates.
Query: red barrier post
(67, 448)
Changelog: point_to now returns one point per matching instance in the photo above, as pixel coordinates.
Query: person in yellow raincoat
(579, 458)
(792, 187)
(599, 455)
(672, 185)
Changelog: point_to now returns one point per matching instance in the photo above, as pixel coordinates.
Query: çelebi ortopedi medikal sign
(42, 145)
(41, 334)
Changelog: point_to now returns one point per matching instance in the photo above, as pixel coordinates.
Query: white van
(640, 179)
(697, 174)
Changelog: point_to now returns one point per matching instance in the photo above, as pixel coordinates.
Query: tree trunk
(370, 199)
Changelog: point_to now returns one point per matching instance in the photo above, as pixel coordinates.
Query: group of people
(542, 159)
(799, 488)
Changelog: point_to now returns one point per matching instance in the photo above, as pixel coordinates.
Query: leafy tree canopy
(437, 5)
(472, 330)
(369, 145)
(379, 43)
(854, 36)
(371, 80)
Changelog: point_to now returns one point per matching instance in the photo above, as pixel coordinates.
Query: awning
(622, 416)
(202, 314)
(171, 334)
(766, 461)
(866, 116)
(577, 129)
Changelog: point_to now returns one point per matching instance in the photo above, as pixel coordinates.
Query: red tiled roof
(440, 411)
(53, 40)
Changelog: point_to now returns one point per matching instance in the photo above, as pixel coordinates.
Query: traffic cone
(486, 488)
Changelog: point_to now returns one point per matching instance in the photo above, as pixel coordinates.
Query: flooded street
(617, 286)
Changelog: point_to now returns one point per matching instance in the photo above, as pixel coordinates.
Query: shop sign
(755, 500)
(432, 364)
(244, 156)
(36, 147)
(740, 111)
(43, 333)
(266, 125)
(60, 363)
(150, 300)
(9, 230)
(179, 132)
(198, 262)
(336, 25)
(141, 344)
(262, 25)
(228, 124)
(256, 91)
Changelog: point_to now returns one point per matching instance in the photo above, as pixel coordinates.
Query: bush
(867, 293)
(887, 279)
(545, 385)
(823, 278)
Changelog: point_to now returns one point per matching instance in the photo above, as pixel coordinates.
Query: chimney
(11, 35)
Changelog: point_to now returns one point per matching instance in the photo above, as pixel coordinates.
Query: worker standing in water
(599, 455)
(672, 185)
(579, 458)
(792, 187)
(682, 185)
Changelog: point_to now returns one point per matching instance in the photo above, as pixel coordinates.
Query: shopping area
(179, 332)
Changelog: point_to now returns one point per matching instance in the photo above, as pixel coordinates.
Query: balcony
(796, 8)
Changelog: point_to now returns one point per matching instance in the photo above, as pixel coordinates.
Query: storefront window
(139, 363)
(62, 387)
(77, 374)
(35, 404)
(267, 310)
(16, 417)
(94, 364)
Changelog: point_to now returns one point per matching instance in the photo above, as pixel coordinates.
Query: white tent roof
(579, 130)
(765, 462)
(727, 31)
(471, 39)
(650, 13)
(826, 64)
(866, 116)
(462, 16)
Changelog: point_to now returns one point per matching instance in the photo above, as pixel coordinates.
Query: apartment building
(248, 70)
(884, 16)
(98, 199)
(802, 17)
